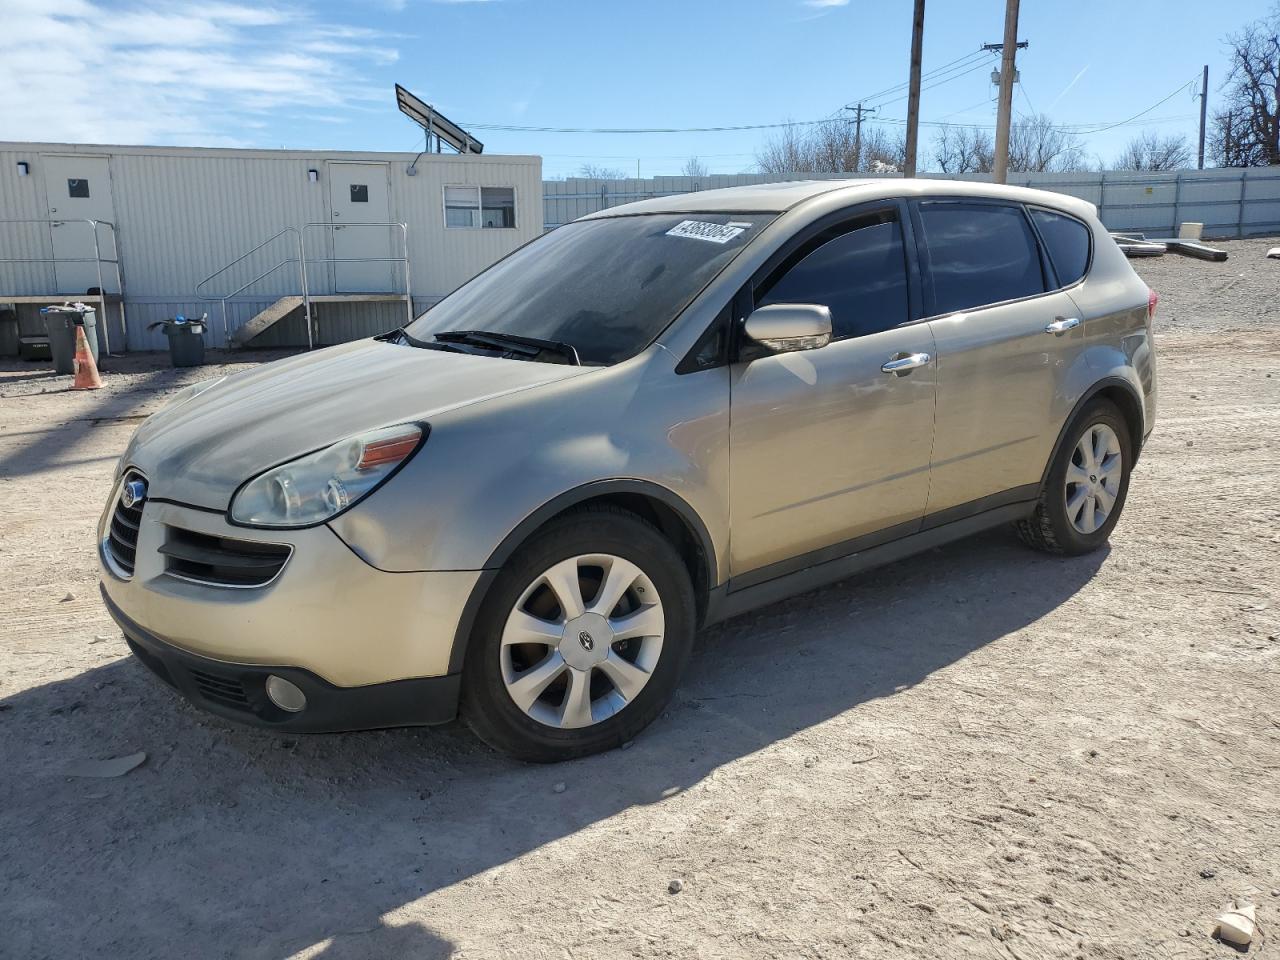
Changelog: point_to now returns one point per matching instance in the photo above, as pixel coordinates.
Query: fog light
(286, 695)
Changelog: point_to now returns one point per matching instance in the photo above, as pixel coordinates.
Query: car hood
(201, 451)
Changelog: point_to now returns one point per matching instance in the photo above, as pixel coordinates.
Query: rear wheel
(581, 640)
(1086, 487)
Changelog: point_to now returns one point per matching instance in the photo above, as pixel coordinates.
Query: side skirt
(725, 601)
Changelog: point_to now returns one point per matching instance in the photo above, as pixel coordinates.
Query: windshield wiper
(401, 335)
(512, 343)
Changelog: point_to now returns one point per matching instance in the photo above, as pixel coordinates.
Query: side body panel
(827, 447)
(487, 467)
(1005, 386)
(1118, 337)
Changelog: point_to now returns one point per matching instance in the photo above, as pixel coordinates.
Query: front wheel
(581, 640)
(1086, 487)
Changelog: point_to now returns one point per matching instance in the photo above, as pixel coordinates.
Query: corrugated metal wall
(184, 213)
(1229, 202)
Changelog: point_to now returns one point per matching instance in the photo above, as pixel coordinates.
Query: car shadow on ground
(236, 842)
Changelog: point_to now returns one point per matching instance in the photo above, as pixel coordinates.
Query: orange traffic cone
(87, 377)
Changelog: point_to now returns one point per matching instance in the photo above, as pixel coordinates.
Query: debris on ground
(1137, 247)
(1140, 245)
(675, 886)
(558, 788)
(1274, 253)
(1236, 924)
(115, 767)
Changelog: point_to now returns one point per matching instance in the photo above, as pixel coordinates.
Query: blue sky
(320, 75)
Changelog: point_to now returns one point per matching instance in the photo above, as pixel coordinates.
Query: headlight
(321, 485)
(191, 392)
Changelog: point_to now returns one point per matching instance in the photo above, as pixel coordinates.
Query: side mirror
(788, 327)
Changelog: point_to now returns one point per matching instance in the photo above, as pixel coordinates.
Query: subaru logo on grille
(134, 492)
(584, 638)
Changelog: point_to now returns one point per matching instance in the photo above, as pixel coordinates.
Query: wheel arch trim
(1101, 386)
(554, 507)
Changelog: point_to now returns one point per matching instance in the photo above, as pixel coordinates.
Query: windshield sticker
(711, 232)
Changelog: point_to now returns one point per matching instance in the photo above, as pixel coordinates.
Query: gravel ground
(979, 752)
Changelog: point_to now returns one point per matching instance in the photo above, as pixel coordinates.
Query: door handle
(1062, 325)
(902, 365)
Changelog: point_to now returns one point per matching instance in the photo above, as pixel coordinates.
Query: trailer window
(485, 207)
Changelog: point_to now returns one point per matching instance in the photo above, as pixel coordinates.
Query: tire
(602, 691)
(1055, 527)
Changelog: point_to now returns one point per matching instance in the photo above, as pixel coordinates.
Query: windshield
(605, 287)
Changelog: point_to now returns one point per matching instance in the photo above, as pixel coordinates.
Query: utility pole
(859, 112)
(913, 98)
(1204, 100)
(1008, 52)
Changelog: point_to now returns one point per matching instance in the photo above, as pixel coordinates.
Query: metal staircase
(287, 305)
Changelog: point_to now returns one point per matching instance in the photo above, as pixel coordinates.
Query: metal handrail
(302, 260)
(97, 259)
(302, 278)
(404, 242)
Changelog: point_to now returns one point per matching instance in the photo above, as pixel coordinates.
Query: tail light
(1152, 299)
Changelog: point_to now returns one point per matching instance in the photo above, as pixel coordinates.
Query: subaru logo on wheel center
(134, 492)
(584, 638)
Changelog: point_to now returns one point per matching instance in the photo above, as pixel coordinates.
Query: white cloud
(826, 3)
(190, 72)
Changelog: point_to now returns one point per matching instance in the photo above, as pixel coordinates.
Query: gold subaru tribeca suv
(523, 505)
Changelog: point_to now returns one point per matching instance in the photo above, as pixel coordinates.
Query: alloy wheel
(1093, 478)
(582, 641)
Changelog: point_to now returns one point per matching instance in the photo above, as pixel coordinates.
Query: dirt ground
(979, 752)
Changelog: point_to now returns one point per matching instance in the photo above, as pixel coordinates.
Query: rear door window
(857, 270)
(1068, 243)
(979, 253)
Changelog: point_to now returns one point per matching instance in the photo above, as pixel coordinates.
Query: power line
(1081, 128)
(938, 83)
(723, 129)
(969, 57)
(1143, 113)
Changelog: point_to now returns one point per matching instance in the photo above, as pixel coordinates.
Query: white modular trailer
(195, 230)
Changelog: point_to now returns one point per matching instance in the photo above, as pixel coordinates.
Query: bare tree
(1037, 145)
(592, 171)
(829, 147)
(693, 167)
(1246, 131)
(883, 152)
(787, 151)
(963, 150)
(1151, 151)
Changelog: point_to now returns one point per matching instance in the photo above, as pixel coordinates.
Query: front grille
(226, 690)
(221, 561)
(122, 534)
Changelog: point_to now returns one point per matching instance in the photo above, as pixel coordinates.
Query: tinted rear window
(979, 254)
(1068, 242)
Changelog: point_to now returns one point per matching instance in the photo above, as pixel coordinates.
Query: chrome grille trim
(120, 543)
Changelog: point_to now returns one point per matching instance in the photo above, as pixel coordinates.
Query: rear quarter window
(979, 253)
(1068, 242)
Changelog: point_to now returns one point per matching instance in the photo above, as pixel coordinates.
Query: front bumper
(368, 647)
(237, 691)
(327, 611)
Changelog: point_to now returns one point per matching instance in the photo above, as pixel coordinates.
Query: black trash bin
(186, 340)
(61, 321)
